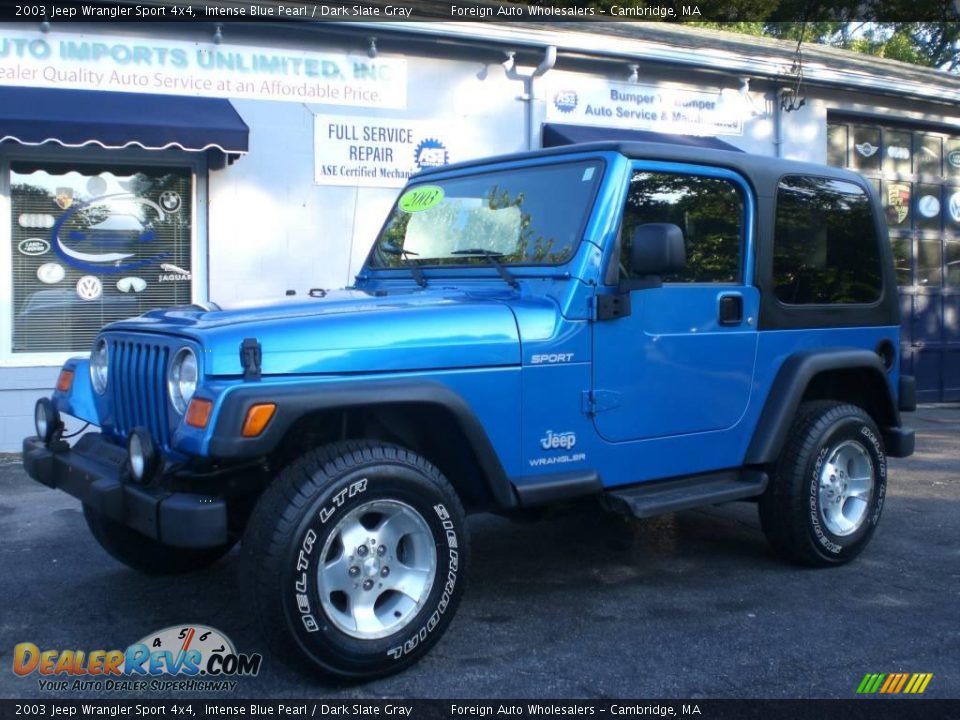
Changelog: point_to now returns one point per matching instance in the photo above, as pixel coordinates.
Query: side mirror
(657, 249)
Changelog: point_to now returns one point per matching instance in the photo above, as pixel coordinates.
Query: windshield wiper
(415, 269)
(494, 259)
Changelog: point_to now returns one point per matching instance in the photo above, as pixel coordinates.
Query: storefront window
(928, 153)
(916, 175)
(92, 244)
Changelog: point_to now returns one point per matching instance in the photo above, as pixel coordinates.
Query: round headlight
(182, 378)
(142, 455)
(46, 418)
(98, 366)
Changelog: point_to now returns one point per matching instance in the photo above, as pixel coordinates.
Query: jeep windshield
(527, 216)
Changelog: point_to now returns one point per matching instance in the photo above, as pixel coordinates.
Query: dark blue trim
(555, 135)
(116, 119)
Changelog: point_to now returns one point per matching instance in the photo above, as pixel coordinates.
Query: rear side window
(825, 249)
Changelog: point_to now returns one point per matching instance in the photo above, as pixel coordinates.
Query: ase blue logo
(431, 153)
(110, 222)
(566, 100)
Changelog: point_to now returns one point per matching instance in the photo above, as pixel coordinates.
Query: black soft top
(763, 171)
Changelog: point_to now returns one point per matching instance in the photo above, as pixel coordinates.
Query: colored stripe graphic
(894, 683)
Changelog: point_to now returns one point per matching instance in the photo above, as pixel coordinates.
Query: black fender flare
(788, 389)
(296, 400)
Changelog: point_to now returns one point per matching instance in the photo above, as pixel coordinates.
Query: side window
(710, 211)
(825, 248)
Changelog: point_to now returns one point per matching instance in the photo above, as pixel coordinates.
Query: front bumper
(95, 471)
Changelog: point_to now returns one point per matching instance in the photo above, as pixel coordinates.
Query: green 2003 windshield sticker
(421, 198)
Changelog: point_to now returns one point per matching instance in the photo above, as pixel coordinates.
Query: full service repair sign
(375, 152)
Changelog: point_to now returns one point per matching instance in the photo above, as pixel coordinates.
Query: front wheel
(357, 552)
(825, 498)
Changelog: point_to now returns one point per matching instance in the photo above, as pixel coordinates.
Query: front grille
(137, 378)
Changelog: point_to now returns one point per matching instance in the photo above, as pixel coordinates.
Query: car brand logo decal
(41, 221)
(866, 149)
(929, 206)
(556, 441)
(954, 158)
(173, 273)
(898, 152)
(170, 201)
(33, 247)
(89, 287)
(954, 207)
(50, 273)
(898, 198)
(131, 284)
(64, 197)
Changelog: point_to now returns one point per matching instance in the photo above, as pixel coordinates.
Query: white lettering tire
(357, 552)
(827, 492)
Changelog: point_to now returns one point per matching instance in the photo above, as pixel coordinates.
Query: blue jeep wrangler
(653, 326)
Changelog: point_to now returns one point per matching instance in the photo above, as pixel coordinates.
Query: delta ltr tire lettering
(358, 552)
(825, 499)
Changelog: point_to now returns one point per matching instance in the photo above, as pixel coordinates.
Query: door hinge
(251, 355)
(597, 401)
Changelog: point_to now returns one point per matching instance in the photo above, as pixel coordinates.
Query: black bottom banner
(867, 709)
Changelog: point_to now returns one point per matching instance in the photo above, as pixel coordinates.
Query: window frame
(747, 265)
(871, 195)
(195, 163)
(480, 263)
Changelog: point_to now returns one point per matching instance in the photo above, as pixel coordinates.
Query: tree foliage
(923, 32)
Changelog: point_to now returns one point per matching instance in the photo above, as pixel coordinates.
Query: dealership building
(150, 164)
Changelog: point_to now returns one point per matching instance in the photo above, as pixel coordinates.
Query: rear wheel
(357, 552)
(826, 496)
(145, 554)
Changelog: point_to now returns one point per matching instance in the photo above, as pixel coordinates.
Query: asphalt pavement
(580, 605)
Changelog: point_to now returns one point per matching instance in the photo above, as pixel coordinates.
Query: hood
(349, 331)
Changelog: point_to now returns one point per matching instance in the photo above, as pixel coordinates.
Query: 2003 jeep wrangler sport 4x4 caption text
(655, 326)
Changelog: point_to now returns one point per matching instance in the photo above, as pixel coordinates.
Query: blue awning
(557, 134)
(76, 118)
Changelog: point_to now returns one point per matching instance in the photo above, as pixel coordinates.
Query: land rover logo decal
(954, 158)
(33, 247)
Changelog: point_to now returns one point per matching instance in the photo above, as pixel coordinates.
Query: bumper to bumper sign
(94, 470)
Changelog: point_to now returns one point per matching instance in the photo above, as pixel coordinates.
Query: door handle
(731, 309)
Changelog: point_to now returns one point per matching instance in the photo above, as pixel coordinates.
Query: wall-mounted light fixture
(371, 47)
(634, 73)
(45, 26)
(218, 34)
(509, 62)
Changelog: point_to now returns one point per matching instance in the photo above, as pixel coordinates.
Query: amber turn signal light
(258, 416)
(198, 414)
(65, 380)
